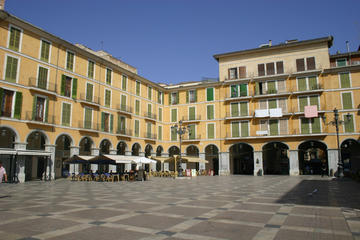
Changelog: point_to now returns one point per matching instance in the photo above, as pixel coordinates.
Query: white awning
(33, 153)
(121, 158)
(7, 151)
(85, 157)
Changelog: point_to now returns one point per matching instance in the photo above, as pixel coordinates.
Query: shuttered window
(315, 125)
(89, 92)
(242, 72)
(310, 63)
(123, 103)
(279, 67)
(191, 113)
(42, 77)
(18, 105)
(244, 109)
(300, 65)
(160, 133)
(148, 128)
(149, 110)
(345, 80)
(108, 76)
(234, 91)
(210, 94)
(211, 131)
(272, 103)
(232, 73)
(235, 129)
(301, 84)
(210, 112)
(160, 114)
(136, 126)
(124, 82)
(261, 69)
(14, 41)
(66, 110)
(274, 128)
(282, 105)
(281, 86)
(137, 88)
(340, 62)
(91, 68)
(107, 98)
(283, 126)
(271, 87)
(137, 107)
(192, 132)
(270, 69)
(349, 124)
(70, 61)
(88, 118)
(121, 124)
(11, 69)
(305, 128)
(243, 90)
(245, 129)
(173, 115)
(234, 109)
(160, 97)
(149, 92)
(263, 125)
(263, 104)
(45, 51)
(303, 101)
(313, 83)
(173, 134)
(314, 100)
(347, 100)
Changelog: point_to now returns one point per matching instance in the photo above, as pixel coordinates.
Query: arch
(16, 133)
(159, 151)
(7, 137)
(135, 149)
(62, 152)
(72, 142)
(36, 140)
(148, 150)
(212, 156)
(105, 139)
(241, 159)
(105, 146)
(173, 150)
(312, 157)
(85, 145)
(121, 148)
(350, 156)
(212, 146)
(275, 158)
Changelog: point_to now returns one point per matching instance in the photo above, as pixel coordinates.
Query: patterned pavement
(202, 208)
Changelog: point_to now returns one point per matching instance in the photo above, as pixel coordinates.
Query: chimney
(2, 4)
(270, 43)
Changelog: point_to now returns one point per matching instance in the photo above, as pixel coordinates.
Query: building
(59, 99)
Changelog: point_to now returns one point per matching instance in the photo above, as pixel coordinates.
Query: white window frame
(354, 122)
(346, 61)
(74, 63)
(193, 124)
(50, 48)
(162, 113)
(111, 76)
(194, 91)
(147, 110)
(177, 115)
(45, 104)
(151, 92)
(207, 134)
(231, 124)
(339, 79)
(18, 67)
(237, 73)
(287, 125)
(139, 127)
(106, 112)
(62, 111)
(308, 100)
(118, 119)
(139, 107)
(172, 100)
(121, 103)
(162, 133)
(107, 89)
(161, 97)
(207, 111)
(126, 81)
(213, 94)
(87, 74)
(86, 83)
(352, 99)
(189, 111)
(310, 125)
(92, 116)
(9, 33)
(239, 107)
(47, 78)
(71, 86)
(137, 81)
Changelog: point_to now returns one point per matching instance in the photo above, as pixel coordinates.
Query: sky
(173, 41)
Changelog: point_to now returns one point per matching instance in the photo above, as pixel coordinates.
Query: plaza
(207, 207)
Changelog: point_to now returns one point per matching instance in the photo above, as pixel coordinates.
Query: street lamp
(336, 123)
(180, 130)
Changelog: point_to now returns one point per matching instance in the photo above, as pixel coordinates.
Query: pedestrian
(323, 169)
(2, 173)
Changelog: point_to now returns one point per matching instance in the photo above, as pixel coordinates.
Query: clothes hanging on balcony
(311, 111)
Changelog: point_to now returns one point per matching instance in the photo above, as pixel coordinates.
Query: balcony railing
(40, 119)
(124, 108)
(125, 132)
(150, 115)
(238, 96)
(193, 118)
(352, 63)
(43, 86)
(88, 125)
(89, 99)
(150, 135)
(193, 137)
(231, 115)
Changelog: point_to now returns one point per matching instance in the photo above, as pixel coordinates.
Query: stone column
(202, 165)
(333, 159)
(294, 163)
(74, 168)
(50, 169)
(20, 162)
(224, 164)
(153, 165)
(127, 165)
(163, 164)
(94, 152)
(258, 163)
(74, 150)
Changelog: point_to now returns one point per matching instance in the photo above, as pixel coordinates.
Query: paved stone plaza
(234, 207)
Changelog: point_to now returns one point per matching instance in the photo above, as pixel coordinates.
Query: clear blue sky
(172, 41)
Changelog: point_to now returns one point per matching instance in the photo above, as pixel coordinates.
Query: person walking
(2, 173)
(323, 169)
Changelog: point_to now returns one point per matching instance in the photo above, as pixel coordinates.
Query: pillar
(74, 168)
(20, 162)
(74, 150)
(294, 163)
(94, 152)
(333, 159)
(258, 163)
(165, 165)
(202, 165)
(127, 165)
(224, 164)
(153, 165)
(50, 169)
(112, 167)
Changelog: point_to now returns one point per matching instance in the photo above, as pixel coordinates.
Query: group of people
(3, 174)
(139, 175)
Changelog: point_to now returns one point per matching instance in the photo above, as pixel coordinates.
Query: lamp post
(336, 123)
(180, 130)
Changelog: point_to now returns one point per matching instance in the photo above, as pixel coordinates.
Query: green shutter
(347, 100)
(314, 100)
(301, 84)
(107, 98)
(191, 113)
(315, 125)
(11, 69)
(173, 134)
(47, 110)
(349, 125)
(195, 95)
(149, 92)
(149, 110)
(305, 129)
(210, 112)
(173, 115)
(1, 98)
(91, 69)
(160, 114)
(123, 102)
(234, 109)
(102, 121)
(243, 90)
(45, 51)
(74, 88)
(160, 133)
(302, 103)
(312, 83)
(124, 80)
(271, 88)
(34, 108)
(234, 91)
(187, 96)
(137, 107)
(211, 130)
(244, 129)
(119, 130)
(63, 83)
(66, 114)
(89, 92)
(159, 97)
(210, 94)
(169, 98)
(272, 103)
(243, 108)
(108, 76)
(177, 97)
(136, 128)
(235, 129)
(274, 128)
(148, 130)
(42, 78)
(163, 97)
(345, 80)
(14, 42)
(111, 122)
(192, 133)
(18, 105)
(88, 118)
(137, 88)
(257, 88)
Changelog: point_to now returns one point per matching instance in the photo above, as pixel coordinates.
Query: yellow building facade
(59, 99)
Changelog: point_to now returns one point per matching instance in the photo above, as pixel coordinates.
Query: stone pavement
(204, 208)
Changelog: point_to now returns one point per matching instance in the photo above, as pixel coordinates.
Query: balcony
(317, 88)
(230, 97)
(150, 116)
(261, 134)
(189, 119)
(124, 132)
(150, 136)
(296, 110)
(42, 86)
(231, 116)
(88, 126)
(271, 93)
(34, 118)
(306, 73)
(124, 109)
(271, 113)
(89, 100)
(192, 138)
(271, 77)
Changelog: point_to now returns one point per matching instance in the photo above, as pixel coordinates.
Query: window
(308, 83)
(192, 115)
(15, 38)
(137, 107)
(233, 73)
(107, 122)
(211, 130)
(42, 78)
(138, 84)
(268, 87)
(349, 126)
(89, 92)
(239, 109)
(107, 100)
(40, 109)
(91, 69)
(121, 125)
(269, 68)
(173, 134)
(136, 126)
(174, 115)
(160, 97)
(341, 62)
(11, 69)
(310, 64)
(240, 129)
(124, 82)
(261, 69)
(210, 94)
(160, 114)
(88, 118)
(271, 87)
(149, 92)
(66, 114)
(310, 125)
(174, 98)
(68, 86)
(149, 113)
(191, 96)
(242, 72)
(308, 101)
(123, 103)
(279, 67)
(70, 57)
(160, 133)
(45, 51)
(7, 106)
(274, 126)
(192, 131)
(108, 76)
(148, 128)
(347, 100)
(345, 80)
(210, 112)
(239, 90)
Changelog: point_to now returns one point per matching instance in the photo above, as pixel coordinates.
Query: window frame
(177, 115)
(17, 70)
(354, 122)
(137, 120)
(111, 76)
(339, 78)
(306, 64)
(160, 136)
(162, 113)
(135, 107)
(150, 89)
(92, 116)
(213, 90)
(62, 112)
(240, 132)
(107, 89)
(213, 111)
(194, 95)
(9, 34)
(47, 77)
(308, 101)
(337, 65)
(124, 76)
(12, 100)
(50, 48)
(207, 133)
(188, 112)
(236, 73)
(86, 89)
(90, 60)
(66, 59)
(46, 98)
(310, 125)
(173, 101)
(352, 100)
(136, 82)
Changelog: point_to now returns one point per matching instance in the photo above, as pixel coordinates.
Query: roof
(339, 55)
(328, 39)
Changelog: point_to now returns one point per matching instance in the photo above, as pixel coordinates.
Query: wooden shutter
(74, 88)
(310, 63)
(149, 110)
(107, 98)
(279, 67)
(177, 98)
(136, 128)
(244, 109)
(187, 96)
(305, 129)
(245, 129)
(283, 126)
(195, 95)
(235, 129)
(173, 115)
(47, 110)
(149, 92)
(191, 113)
(65, 114)
(42, 78)
(281, 86)
(270, 69)
(300, 65)
(303, 101)
(63, 84)
(173, 134)
(14, 42)
(261, 69)
(349, 124)
(314, 100)
(160, 133)
(345, 80)
(210, 94)
(263, 125)
(18, 105)
(315, 125)
(163, 97)
(274, 129)
(272, 103)
(347, 100)
(124, 80)
(210, 112)
(242, 72)
(243, 90)
(137, 107)
(211, 131)
(148, 129)
(282, 105)
(257, 88)
(234, 109)
(11, 69)
(301, 84)
(1, 100)
(313, 83)
(137, 88)
(108, 76)
(88, 118)
(119, 129)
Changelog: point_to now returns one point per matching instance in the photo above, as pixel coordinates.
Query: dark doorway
(312, 156)
(350, 155)
(173, 151)
(275, 159)
(121, 148)
(212, 155)
(192, 151)
(85, 146)
(242, 159)
(62, 153)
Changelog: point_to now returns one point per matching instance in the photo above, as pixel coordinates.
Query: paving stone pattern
(203, 208)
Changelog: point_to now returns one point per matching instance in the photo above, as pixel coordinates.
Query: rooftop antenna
(348, 50)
